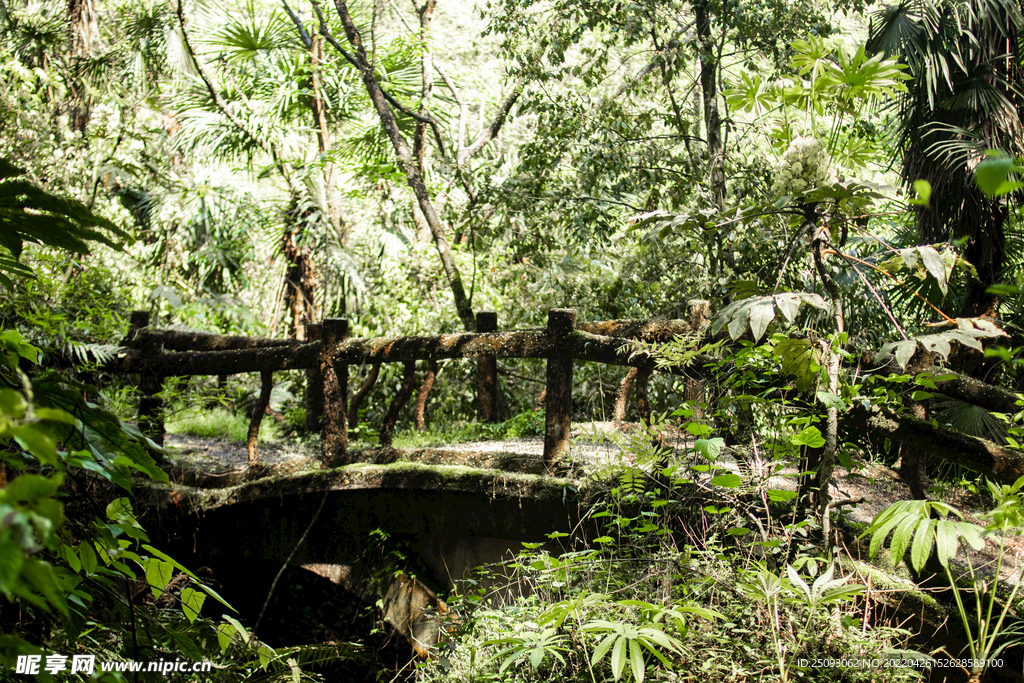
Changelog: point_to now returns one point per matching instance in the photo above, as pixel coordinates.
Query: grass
(219, 423)
(525, 424)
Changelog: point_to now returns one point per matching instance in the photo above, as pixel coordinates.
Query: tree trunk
(622, 397)
(709, 91)
(387, 427)
(318, 107)
(421, 398)
(410, 165)
(357, 400)
(258, 410)
(81, 29)
(300, 301)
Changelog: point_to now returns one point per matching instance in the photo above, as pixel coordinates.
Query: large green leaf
(800, 360)
(30, 214)
(998, 176)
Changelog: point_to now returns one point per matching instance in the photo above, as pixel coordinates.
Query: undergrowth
(219, 423)
(667, 588)
(523, 425)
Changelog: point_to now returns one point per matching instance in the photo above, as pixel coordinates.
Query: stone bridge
(454, 518)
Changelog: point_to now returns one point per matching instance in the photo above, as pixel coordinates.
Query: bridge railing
(154, 355)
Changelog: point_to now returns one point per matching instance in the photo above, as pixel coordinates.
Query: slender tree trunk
(318, 107)
(387, 428)
(410, 165)
(81, 29)
(421, 398)
(709, 91)
(300, 300)
(357, 400)
(708, 77)
(622, 397)
(258, 410)
(832, 362)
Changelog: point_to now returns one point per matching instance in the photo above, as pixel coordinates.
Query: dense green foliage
(252, 168)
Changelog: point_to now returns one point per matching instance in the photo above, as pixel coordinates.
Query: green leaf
(36, 442)
(709, 448)
(120, 510)
(905, 351)
(789, 305)
(800, 359)
(88, 555)
(618, 658)
(798, 582)
(728, 481)
(636, 657)
(945, 540)
(935, 266)
(830, 400)
(70, 556)
(810, 437)
(536, 657)
(761, 315)
(40, 576)
(738, 325)
(879, 531)
(780, 496)
(992, 176)
(602, 648)
(225, 634)
(703, 612)
(922, 545)
(239, 629)
(29, 488)
(973, 534)
(905, 525)
(11, 558)
(158, 574)
(923, 189)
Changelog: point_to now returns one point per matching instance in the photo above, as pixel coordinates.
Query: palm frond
(968, 419)
(248, 33)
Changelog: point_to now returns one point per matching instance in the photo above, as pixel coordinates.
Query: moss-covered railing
(154, 355)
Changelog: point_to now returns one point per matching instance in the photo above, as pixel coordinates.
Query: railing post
(558, 402)
(699, 315)
(335, 387)
(258, 411)
(487, 373)
(643, 401)
(151, 405)
(314, 386)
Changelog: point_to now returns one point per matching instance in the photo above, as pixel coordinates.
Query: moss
(401, 474)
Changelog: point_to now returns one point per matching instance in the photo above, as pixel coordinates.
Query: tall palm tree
(966, 96)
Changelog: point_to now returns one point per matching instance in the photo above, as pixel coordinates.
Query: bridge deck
(214, 463)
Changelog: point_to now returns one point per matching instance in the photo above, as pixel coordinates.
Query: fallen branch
(978, 455)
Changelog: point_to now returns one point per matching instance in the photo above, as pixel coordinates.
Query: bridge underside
(453, 518)
(452, 531)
